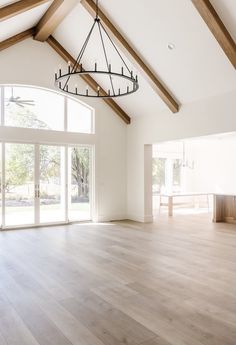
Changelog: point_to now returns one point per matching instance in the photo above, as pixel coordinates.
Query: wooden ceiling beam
(218, 29)
(18, 7)
(17, 38)
(53, 17)
(153, 80)
(88, 79)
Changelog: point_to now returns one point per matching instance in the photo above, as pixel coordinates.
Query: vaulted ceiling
(201, 65)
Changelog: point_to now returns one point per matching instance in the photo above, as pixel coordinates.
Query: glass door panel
(78, 184)
(36, 187)
(52, 183)
(19, 184)
(1, 185)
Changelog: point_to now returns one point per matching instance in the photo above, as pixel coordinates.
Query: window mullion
(65, 114)
(2, 105)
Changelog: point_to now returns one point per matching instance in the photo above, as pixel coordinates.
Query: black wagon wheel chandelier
(64, 81)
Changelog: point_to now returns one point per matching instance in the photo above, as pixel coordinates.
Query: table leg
(170, 206)
(208, 203)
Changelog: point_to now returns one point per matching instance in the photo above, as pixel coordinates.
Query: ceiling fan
(18, 101)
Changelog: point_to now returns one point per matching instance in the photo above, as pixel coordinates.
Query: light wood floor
(169, 283)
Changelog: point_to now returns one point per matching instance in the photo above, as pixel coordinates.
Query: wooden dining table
(171, 197)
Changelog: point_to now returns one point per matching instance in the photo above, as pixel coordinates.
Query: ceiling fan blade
(13, 99)
(19, 105)
(26, 100)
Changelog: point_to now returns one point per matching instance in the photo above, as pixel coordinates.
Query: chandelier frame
(62, 80)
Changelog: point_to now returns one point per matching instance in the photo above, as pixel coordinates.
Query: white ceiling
(6, 2)
(227, 12)
(196, 69)
(22, 21)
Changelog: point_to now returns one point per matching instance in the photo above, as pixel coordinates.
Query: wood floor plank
(109, 324)
(41, 327)
(2, 340)
(156, 341)
(14, 330)
(124, 283)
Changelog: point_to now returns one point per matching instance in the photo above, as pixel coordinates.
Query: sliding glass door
(52, 183)
(79, 161)
(1, 203)
(44, 184)
(19, 184)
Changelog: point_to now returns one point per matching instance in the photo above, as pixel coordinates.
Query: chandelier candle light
(64, 81)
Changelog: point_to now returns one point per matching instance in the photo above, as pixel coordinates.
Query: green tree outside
(20, 158)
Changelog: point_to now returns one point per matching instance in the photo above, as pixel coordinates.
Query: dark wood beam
(218, 29)
(88, 79)
(17, 38)
(136, 59)
(18, 7)
(53, 17)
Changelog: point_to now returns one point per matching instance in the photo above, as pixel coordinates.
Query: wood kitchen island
(224, 208)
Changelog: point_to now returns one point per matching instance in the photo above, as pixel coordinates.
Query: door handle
(37, 191)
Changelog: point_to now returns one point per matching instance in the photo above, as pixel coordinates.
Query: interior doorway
(186, 174)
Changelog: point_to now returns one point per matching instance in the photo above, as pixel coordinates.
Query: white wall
(215, 115)
(213, 161)
(214, 166)
(34, 63)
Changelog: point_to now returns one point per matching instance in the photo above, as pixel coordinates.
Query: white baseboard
(141, 219)
(110, 218)
(148, 219)
(135, 218)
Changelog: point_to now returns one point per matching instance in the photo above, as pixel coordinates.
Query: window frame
(65, 109)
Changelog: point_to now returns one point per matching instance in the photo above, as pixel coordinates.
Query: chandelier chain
(105, 54)
(81, 53)
(96, 9)
(115, 48)
(76, 65)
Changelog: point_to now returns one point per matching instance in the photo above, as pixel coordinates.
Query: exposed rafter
(18, 7)
(88, 79)
(53, 17)
(17, 38)
(153, 80)
(215, 24)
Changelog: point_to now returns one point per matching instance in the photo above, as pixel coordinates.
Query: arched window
(31, 107)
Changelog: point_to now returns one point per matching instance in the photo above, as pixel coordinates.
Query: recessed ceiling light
(171, 46)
